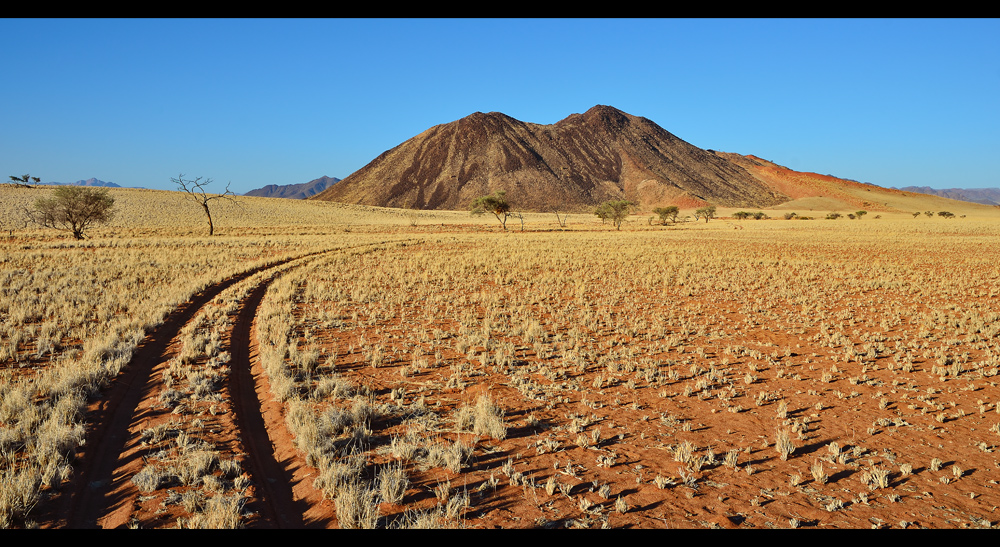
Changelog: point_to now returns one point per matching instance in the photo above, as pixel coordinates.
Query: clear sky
(894, 102)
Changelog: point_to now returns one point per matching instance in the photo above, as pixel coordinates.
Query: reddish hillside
(799, 184)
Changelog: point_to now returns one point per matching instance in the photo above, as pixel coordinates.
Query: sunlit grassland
(377, 351)
(701, 333)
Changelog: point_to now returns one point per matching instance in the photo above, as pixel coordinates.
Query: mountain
(986, 196)
(89, 182)
(294, 191)
(576, 163)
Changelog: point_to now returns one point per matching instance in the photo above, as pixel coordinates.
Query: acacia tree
(73, 209)
(615, 211)
(706, 212)
(194, 189)
(669, 212)
(495, 203)
(22, 181)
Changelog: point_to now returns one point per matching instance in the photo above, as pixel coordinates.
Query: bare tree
(561, 211)
(194, 189)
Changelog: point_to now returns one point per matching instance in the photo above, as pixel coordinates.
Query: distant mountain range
(986, 196)
(89, 182)
(294, 191)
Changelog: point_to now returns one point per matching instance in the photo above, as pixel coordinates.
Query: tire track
(272, 478)
(101, 493)
(88, 496)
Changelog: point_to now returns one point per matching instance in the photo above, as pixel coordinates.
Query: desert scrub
(483, 418)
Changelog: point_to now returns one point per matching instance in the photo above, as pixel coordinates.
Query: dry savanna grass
(436, 371)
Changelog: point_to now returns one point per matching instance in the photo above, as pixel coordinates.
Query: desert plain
(318, 365)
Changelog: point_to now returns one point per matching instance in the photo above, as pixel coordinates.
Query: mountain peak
(577, 162)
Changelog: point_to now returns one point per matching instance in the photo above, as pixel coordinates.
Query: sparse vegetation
(427, 374)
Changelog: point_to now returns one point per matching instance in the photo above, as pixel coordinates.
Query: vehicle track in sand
(101, 493)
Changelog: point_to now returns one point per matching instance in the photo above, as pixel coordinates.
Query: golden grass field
(426, 369)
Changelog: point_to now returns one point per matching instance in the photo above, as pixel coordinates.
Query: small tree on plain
(669, 212)
(706, 212)
(616, 211)
(860, 214)
(23, 180)
(562, 215)
(495, 203)
(73, 209)
(194, 189)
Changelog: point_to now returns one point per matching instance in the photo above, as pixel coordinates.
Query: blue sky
(894, 102)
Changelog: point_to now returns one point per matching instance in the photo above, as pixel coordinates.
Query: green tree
(669, 212)
(73, 209)
(495, 203)
(706, 212)
(194, 189)
(23, 180)
(616, 211)
(860, 214)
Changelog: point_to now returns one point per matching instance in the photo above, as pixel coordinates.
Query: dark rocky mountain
(294, 191)
(986, 196)
(576, 163)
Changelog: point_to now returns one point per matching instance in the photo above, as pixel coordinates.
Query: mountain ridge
(575, 163)
(303, 190)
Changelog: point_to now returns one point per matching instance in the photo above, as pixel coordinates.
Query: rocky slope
(573, 164)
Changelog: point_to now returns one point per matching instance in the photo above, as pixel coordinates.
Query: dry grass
(626, 360)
